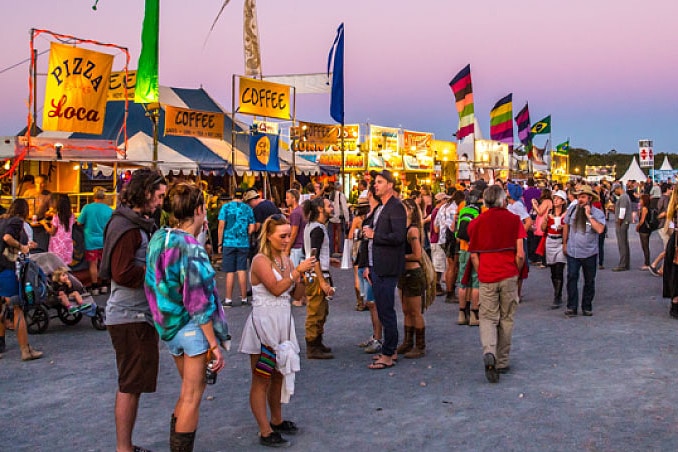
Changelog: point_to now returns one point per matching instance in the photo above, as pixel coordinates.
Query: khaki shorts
(136, 355)
(412, 282)
(438, 258)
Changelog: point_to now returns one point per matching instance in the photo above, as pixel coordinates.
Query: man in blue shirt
(236, 223)
(581, 225)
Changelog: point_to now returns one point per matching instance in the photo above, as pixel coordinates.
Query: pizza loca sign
(76, 89)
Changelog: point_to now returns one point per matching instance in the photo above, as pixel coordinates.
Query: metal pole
(293, 176)
(342, 169)
(233, 178)
(155, 113)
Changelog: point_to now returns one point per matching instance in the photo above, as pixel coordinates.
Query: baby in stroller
(62, 286)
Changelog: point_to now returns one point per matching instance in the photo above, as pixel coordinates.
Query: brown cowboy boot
(420, 349)
(360, 301)
(408, 341)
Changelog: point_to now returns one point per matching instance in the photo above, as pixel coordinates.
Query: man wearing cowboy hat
(581, 225)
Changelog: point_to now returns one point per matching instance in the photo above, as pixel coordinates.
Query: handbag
(11, 254)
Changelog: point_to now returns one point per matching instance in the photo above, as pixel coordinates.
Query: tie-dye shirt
(181, 285)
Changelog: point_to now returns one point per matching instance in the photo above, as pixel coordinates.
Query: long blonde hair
(671, 210)
(267, 229)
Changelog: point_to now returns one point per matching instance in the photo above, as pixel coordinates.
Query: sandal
(380, 365)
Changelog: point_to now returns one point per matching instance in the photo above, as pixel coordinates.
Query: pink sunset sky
(605, 70)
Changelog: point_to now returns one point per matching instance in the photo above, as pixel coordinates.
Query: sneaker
(653, 270)
(570, 313)
(366, 342)
(244, 302)
(491, 372)
(275, 439)
(227, 302)
(73, 309)
(373, 347)
(84, 307)
(287, 427)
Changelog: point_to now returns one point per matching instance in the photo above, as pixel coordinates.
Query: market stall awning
(140, 147)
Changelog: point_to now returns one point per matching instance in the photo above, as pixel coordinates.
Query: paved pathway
(604, 383)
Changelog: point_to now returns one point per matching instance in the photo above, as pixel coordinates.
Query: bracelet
(214, 348)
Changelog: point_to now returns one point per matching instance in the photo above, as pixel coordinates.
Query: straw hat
(587, 190)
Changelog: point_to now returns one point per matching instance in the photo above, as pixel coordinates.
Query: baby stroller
(37, 270)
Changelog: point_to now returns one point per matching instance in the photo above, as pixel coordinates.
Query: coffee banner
(258, 98)
(76, 89)
(193, 123)
(117, 83)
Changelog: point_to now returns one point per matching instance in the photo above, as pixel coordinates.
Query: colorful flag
(463, 95)
(541, 127)
(264, 152)
(146, 90)
(250, 39)
(501, 120)
(337, 96)
(523, 123)
(76, 89)
(563, 148)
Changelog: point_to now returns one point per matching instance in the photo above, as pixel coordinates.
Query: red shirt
(494, 235)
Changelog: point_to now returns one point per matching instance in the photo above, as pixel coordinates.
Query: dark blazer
(390, 236)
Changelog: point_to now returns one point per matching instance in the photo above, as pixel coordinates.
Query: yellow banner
(193, 123)
(76, 89)
(271, 100)
(116, 85)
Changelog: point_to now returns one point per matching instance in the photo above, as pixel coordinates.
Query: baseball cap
(250, 195)
(386, 174)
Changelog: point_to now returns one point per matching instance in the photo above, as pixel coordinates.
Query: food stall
(560, 167)
(418, 158)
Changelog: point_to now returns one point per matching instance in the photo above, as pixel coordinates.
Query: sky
(604, 70)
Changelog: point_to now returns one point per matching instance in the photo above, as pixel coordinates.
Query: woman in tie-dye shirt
(182, 294)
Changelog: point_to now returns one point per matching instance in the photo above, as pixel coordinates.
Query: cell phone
(314, 253)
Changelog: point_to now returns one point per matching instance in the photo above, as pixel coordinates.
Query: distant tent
(633, 173)
(666, 166)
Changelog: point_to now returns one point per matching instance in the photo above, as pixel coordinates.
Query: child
(63, 287)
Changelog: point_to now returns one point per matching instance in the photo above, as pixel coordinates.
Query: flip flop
(379, 355)
(380, 365)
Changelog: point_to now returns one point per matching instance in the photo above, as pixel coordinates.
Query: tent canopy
(140, 146)
(633, 173)
(666, 166)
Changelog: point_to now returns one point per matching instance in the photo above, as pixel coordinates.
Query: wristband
(214, 348)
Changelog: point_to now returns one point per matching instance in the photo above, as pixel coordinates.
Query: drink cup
(556, 222)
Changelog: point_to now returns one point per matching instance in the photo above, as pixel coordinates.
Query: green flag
(543, 126)
(563, 148)
(146, 90)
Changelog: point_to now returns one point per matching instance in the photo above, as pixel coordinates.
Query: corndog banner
(76, 89)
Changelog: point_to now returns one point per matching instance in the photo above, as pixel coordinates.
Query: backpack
(32, 273)
(652, 219)
(466, 215)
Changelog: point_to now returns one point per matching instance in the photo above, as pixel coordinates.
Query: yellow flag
(76, 90)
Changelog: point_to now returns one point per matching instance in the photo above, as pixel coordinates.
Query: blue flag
(337, 96)
(264, 152)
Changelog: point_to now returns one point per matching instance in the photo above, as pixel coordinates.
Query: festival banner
(147, 90)
(523, 123)
(264, 152)
(314, 137)
(259, 98)
(463, 93)
(501, 120)
(250, 39)
(193, 123)
(76, 89)
(117, 83)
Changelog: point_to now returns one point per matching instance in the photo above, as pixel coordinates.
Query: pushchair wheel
(66, 317)
(37, 319)
(99, 319)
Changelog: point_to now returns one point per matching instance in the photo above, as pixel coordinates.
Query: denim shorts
(189, 340)
(234, 259)
(365, 286)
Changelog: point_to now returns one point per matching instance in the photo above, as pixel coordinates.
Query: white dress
(272, 317)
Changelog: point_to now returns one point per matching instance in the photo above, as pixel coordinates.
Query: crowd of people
(473, 245)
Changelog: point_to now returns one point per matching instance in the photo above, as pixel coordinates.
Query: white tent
(633, 173)
(140, 151)
(666, 166)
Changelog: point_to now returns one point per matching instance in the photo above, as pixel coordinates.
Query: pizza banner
(76, 89)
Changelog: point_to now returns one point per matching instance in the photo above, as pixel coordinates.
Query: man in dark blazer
(387, 261)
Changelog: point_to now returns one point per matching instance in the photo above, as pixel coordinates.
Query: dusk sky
(605, 70)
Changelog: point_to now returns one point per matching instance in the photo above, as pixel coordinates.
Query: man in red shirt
(498, 255)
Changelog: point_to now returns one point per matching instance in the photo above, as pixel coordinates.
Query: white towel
(287, 363)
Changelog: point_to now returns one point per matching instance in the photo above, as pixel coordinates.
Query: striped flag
(523, 123)
(501, 120)
(147, 90)
(463, 95)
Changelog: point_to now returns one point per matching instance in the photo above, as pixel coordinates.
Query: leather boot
(557, 293)
(181, 442)
(322, 346)
(473, 319)
(439, 288)
(408, 341)
(420, 349)
(462, 320)
(360, 302)
(28, 353)
(674, 310)
(313, 351)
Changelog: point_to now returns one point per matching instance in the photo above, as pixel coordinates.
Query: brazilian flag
(563, 148)
(542, 127)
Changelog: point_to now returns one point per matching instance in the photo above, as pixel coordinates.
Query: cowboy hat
(587, 190)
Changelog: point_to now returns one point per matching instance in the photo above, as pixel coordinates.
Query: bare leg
(242, 283)
(187, 409)
(376, 324)
(258, 393)
(126, 407)
(414, 311)
(229, 286)
(20, 327)
(274, 404)
(93, 273)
